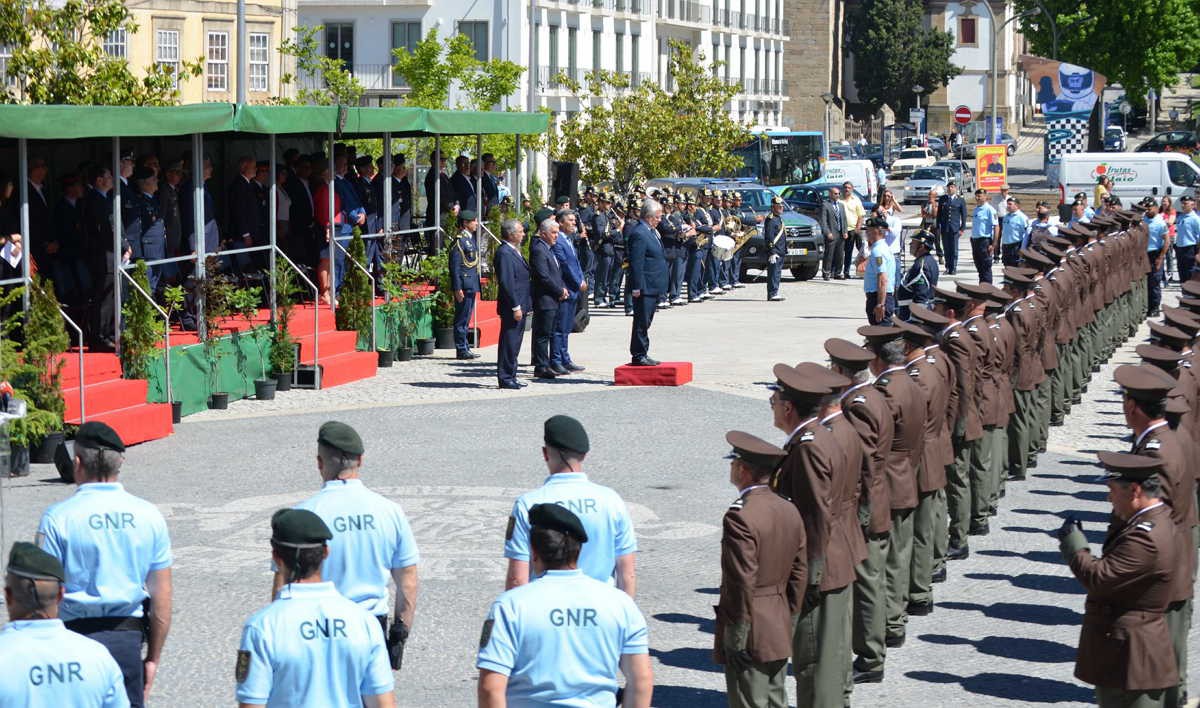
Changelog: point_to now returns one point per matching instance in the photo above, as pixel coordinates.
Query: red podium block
(667, 373)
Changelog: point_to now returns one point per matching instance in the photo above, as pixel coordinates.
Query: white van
(860, 173)
(1134, 174)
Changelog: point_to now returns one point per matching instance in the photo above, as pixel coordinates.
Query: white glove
(773, 259)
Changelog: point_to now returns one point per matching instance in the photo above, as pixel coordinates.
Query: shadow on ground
(1048, 615)
(1020, 648)
(1012, 687)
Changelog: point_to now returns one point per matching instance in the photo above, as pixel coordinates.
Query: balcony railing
(684, 11)
(373, 77)
(548, 76)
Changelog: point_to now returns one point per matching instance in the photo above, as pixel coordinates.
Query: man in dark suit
(302, 238)
(548, 291)
(513, 302)
(434, 176)
(242, 210)
(41, 224)
(833, 227)
(464, 186)
(951, 220)
(647, 279)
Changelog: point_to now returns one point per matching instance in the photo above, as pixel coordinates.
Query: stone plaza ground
(454, 452)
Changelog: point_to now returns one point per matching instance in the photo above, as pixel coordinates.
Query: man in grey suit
(834, 229)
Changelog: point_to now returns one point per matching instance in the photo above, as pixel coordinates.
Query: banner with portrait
(1068, 96)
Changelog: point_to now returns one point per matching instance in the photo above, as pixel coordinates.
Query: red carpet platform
(109, 398)
(487, 323)
(667, 373)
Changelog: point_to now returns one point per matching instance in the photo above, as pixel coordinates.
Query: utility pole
(243, 60)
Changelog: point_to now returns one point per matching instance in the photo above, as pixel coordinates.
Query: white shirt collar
(1146, 432)
(800, 427)
(831, 416)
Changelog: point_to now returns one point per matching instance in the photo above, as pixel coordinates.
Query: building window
(166, 51)
(259, 61)
(596, 64)
(633, 58)
(5, 55)
(620, 52)
(477, 32)
(339, 43)
(967, 32)
(217, 66)
(406, 36)
(553, 49)
(115, 44)
(572, 52)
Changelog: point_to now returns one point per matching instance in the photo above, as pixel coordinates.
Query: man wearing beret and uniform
(963, 421)
(117, 555)
(879, 269)
(45, 664)
(311, 646)
(1144, 401)
(776, 244)
(565, 635)
(820, 645)
(1125, 646)
(764, 575)
(865, 408)
(372, 543)
(611, 554)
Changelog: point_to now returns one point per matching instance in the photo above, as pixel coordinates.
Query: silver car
(916, 189)
(961, 174)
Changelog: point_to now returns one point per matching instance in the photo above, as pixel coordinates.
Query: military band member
(764, 574)
(289, 646)
(916, 288)
(669, 233)
(45, 664)
(149, 236)
(611, 554)
(712, 267)
(464, 281)
(698, 250)
(1125, 645)
(565, 635)
(750, 220)
(776, 245)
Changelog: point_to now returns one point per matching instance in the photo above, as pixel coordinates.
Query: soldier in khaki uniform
(906, 402)
(1144, 402)
(865, 408)
(764, 574)
(1125, 646)
(944, 369)
(963, 417)
(991, 408)
(1025, 316)
(1003, 358)
(820, 644)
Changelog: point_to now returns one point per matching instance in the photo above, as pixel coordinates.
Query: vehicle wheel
(744, 275)
(805, 272)
(1012, 149)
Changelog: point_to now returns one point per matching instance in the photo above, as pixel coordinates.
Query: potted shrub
(397, 310)
(217, 290)
(354, 298)
(244, 303)
(39, 373)
(141, 330)
(26, 433)
(437, 271)
(283, 345)
(174, 299)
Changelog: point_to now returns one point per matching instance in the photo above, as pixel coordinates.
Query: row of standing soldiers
(899, 450)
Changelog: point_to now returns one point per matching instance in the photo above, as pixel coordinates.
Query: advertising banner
(1067, 95)
(991, 167)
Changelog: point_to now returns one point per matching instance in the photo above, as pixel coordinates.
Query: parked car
(807, 198)
(968, 149)
(874, 153)
(962, 174)
(1170, 140)
(916, 189)
(938, 146)
(841, 152)
(1114, 139)
(911, 159)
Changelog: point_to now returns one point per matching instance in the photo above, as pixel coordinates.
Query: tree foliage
(58, 56)
(335, 83)
(629, 134)
(1140, 44)
(894, 51)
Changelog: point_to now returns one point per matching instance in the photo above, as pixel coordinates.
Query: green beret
(542, 214)
(341, 436)
(29, 561)
(563, 199)
(300, 528)
(565, 433)
(95, 434)
(557, 518)
(466, 215)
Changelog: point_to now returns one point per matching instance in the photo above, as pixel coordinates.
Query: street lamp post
(996, 36)
(828, 99)
(918, 90)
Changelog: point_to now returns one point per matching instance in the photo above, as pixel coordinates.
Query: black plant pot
(283, 381)
(386, 357)
(18, 461)
(264, 389)
(176, 412)
(444, 336)
(218, 401)
(44, 454)
(64, 460)
(424, 347)
(404, 354)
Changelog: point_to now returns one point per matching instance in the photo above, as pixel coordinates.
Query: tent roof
(46, 122)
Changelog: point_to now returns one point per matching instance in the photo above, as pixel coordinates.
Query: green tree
(336, 85)
(354, 311)
(58, 56)
(1139, 44)
(894, 51)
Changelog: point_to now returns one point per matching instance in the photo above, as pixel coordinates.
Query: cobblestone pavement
(454, 452)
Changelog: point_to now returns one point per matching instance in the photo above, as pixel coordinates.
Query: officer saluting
(610, 555)
(1124, 646)
(46, 664)
(772, 229)
(564, 635)
(311, 646)
(764, 573)
(117, 554)
(373, 541)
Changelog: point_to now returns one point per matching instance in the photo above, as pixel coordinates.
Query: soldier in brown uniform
(963, 418)
(1062, 283)
(865, 408)
(1004, 361)
(764, 574)
(1178, 367)
(992, 411)
(821, 642)
(1124, 646)
(1046, 296)
(906, 402)
(1025, 317)
(944, 370)
(1145, 390)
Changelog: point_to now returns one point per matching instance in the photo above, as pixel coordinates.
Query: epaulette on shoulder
(1016, 308)
(931, 360)
(1154, 444)
(859, 399)
(973, 328)
(954, 335)
(807, 436)
(914, 372)
(1144, 525)
(882, 382)
(737, 504)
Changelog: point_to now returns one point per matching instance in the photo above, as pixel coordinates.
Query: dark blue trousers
(564, 322)
(735, 267)
(950, 250)
(126, 648)
(1009, 255)
(643, 315)
(889, 309)
(678, 267)
(462, 321)
(774, 276)
(695, 273)
(983, 259)
(1185, 262)
(543, 333)
(512, 333)
(604, 266)
(1154, 283)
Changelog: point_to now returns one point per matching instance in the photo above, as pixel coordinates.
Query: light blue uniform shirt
(1187, 229)
(371, 536)
(1038, 226)
(108, 542)
(1157, 229)
(45, 664)
(1014, 226)
(312, 647)
(1080, 220)
(600, 509)
(560, 639)
(881, 260)
(983, 221)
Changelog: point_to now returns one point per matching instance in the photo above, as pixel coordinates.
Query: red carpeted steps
(667, 373)
(119, 402)
(340, 362)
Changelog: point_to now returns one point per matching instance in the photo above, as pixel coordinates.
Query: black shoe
(978, 529)
(1076, 400)
(824, 276)
(875, 676)
(894, 642)
(511, 385)
(1002, 493)
(559, 369)
(1032, 462)
(467, 355)
(544, 374)
(1057, 422)
(644, 361)
(1016, 477)
(575, 367)
(1042, 449)
(940, 576)
(957, 554)
(920, 609)
(839, 276)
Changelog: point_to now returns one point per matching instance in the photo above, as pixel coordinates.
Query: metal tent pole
(242, 53)
(118, 228)
(272, 227)
(332, 230)
(479, 176)
(517, 186)
(198, 222)
(386, 181)
(23, 168)
(436, 207)
(478, 231)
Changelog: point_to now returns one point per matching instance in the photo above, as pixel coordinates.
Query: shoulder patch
(1154, 444)
(807, 437)
(512, 523)
(242, 669)
(737, 504)
(882, 381)
(1145, 525)
(1016, 308)
(859, 399)
(485, 636)
(972, 328)
(914, 372)
(931, 360)
(954, 335)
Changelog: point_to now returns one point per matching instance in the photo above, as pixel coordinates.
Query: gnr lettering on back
(112, 521)
(573, 617)
(40, 675)
(579, 506)
(355, 522)
(323, 629)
